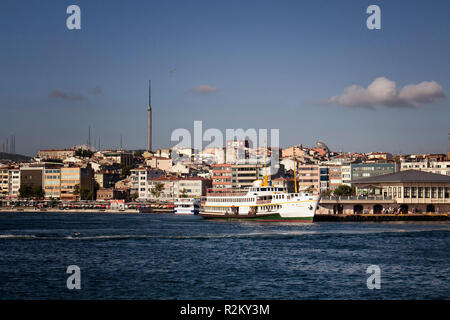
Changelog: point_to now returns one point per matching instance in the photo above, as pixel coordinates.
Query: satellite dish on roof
(322, 145)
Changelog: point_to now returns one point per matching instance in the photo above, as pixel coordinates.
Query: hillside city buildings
(167, 174)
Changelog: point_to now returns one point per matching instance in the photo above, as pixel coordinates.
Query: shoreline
(55, 210)
(381, 217)
(317, 217)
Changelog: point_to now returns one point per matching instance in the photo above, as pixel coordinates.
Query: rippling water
(162, 256)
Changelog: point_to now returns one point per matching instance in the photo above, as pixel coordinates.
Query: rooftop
(406, 176)
(174, 178)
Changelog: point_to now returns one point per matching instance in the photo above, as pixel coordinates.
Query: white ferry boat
(262, 202)
(186, 206)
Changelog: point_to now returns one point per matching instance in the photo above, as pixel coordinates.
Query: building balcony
(361, 199)
(424, 200)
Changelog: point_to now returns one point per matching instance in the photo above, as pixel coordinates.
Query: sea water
(162, 256)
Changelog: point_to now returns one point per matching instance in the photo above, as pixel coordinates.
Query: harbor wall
(379, 217)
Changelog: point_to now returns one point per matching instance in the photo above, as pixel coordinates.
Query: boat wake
(251, 235)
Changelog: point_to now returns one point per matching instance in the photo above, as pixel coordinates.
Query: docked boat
(262, 202)
(186, 206)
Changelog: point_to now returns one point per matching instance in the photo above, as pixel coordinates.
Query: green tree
(25, 192)
(96, 188)
(125, 171)
(134, 196)
(157, 189)
(28, 191)
(85, 194)
(343, 190)
(183, 193)
(76, 191)
(38, 192)
(83, 153)
(78, 153)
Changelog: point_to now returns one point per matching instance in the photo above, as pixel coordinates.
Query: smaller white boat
(186, 206)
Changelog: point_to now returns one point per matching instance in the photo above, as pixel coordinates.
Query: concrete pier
(380, 217)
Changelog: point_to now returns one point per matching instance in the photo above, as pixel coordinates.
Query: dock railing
(231, 193)
(352, 198)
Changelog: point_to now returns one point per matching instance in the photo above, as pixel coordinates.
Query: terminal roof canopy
(407, 176)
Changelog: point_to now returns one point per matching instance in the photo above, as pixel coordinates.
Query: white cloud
(383, 91)
(204, 88)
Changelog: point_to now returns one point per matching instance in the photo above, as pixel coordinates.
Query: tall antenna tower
(149, 117)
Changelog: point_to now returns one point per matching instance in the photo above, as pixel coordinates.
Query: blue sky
(273, 64)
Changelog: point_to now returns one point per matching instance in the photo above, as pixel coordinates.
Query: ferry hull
(273, 217)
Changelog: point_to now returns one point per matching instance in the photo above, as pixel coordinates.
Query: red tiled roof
(164, 178)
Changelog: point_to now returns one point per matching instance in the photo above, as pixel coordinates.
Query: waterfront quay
(380, 217)
(352, 205)
(324, 213)
(379, 208)
(409, 191)
(85, 206)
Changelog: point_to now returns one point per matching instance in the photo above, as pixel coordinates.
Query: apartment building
(237, 150)
(211, 155)
(379, 156)
(369, 170)
(106, 178)
(54, 154)
(183, 155)
(32, 175)
(107, 194)
(71, 176)
(173, 188)
(4, 180)
(221, 177)
(243, 175)
(193, 187)
(291, 151)
(308, 175)
(324, 178)
(14, 182)
(438, 167)
(159, 163)
(52, 182)
(346, 175)
(335, 176)
(140, 178)
(120, 157)
(288, 183)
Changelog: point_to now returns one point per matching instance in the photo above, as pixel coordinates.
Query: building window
(440, 192)
(413, 192)
(427, 192)
(406, 194)
(433, 192)
(420, 192)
